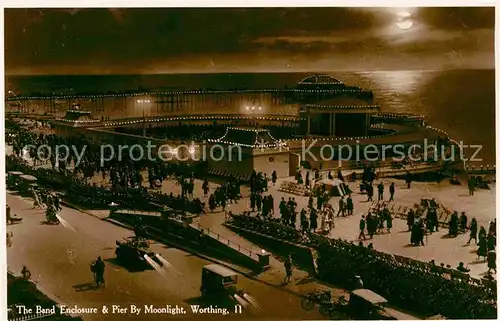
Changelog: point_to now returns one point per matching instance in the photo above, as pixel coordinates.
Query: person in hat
(98, 270)
(462, 268)
(25, 273)
(288, 269)
(359, 282)
(492, 264)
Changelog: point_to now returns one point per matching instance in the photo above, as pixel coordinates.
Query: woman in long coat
(482, 250)
(389, 222)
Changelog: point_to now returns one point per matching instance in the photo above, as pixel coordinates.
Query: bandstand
(75, 121)
(339, 116)
(243, 150)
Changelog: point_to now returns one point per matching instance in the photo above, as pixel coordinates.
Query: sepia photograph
(250, 163)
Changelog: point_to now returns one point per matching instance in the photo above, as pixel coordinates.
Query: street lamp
(142, 102)
(19, 103)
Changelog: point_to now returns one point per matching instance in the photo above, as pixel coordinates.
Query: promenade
(59, 257)
(438, 246)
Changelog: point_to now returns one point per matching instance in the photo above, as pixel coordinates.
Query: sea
(461, 102)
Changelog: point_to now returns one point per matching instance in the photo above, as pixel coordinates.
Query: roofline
(182, 92)
(215, 267)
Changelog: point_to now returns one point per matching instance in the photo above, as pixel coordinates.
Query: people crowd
(122, 179)
(403, 281)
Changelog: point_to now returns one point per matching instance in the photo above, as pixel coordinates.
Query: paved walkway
(482, 206)
(58, 257)
(449, 251)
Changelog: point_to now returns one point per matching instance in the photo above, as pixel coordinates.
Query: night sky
(118, 41)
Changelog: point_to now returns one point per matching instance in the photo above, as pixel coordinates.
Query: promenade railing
(220, 238)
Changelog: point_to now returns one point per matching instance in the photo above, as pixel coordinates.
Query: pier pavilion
(241, 150)
(326, 111)
(255, 102)
(75, 121)
(339, 116)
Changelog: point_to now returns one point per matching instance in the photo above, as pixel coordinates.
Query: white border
(242, 3)
(219, 3)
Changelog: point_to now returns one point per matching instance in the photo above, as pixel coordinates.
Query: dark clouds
(456, 18)
(135, 40)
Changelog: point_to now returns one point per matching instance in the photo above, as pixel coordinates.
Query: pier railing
(208, 232)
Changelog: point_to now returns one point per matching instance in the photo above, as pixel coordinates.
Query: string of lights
(343, 106)
(189, 92)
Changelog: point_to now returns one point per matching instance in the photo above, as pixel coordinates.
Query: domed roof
(320, 79)
(248, 137)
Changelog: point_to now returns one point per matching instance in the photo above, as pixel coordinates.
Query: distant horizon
(245, 72)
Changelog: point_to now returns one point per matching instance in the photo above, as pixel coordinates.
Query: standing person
(472, 185)
(349, 206)
(339, 174)
(389, 221)
(453, 224)
(408, 179)
(491, 242)
(98, 269)
(341, 207)
(463, 222)
(362, 226)
(473, 230)
(313, 218)
(319, 202)
(304, 222)
(205, 187)
(492, 264)
(359, 282)
(258, 201)
(310, 202)
(410, 219)
(274, 177)
(369, 192)
(380, 191)
(25, 273)
(288, 269)
(392, 190)
(7, 213)
(493, 227)
(331, 223)
(307, 182)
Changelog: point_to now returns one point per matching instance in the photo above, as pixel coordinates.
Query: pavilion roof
(248, 137)
(76, 116)
(342, 102)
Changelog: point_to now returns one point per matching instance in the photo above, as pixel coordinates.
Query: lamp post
(19, 103)
(253, 109)
(142, 102)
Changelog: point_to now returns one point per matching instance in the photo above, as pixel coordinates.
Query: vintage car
(133, 252)
(27, 183)
(218, 282)
(14, 179)
(365, 304)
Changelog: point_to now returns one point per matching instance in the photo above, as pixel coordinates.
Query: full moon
(404, 21)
